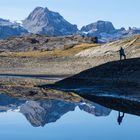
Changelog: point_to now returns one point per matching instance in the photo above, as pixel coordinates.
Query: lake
(61, 120)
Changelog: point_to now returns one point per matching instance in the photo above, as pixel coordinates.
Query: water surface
(61, 120)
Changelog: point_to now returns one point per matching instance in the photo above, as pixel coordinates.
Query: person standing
(122, 53)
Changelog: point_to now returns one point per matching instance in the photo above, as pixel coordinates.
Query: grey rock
(46, 22)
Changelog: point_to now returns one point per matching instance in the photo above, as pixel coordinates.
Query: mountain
(9, 103)
(133, 31)
(46, 22)
(105, 31)
(42, 112)
(10, 29)
(99, 27)
(42, 21)
(39, 113)
(94, 108)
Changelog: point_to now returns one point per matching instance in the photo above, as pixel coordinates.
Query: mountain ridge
(42, 21)
(106, 31)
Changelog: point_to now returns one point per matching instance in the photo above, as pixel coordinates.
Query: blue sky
(81, 12)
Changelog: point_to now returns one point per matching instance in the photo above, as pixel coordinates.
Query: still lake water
(60, 120)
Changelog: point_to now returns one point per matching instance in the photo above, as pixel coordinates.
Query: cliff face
(99, 27)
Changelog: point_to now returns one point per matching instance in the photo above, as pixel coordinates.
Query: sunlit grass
(55, 53)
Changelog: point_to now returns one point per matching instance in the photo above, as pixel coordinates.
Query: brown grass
(55, 53)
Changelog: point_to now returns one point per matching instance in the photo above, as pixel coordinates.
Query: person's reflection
(120, 117)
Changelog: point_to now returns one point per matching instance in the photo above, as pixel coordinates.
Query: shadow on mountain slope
(121, 76)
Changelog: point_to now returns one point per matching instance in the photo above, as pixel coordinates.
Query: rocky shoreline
(28, 88)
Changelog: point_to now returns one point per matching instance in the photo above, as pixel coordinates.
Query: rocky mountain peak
(44, 21)
(99, 26)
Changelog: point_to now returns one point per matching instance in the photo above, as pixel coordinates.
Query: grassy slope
(55, 53)
(131, 46)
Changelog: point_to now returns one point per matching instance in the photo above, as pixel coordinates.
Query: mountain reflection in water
(45, 111)
(42, 112)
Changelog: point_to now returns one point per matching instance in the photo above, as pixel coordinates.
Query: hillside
(43, 55)
(42, 43)
(131, 46)
(60, 55)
